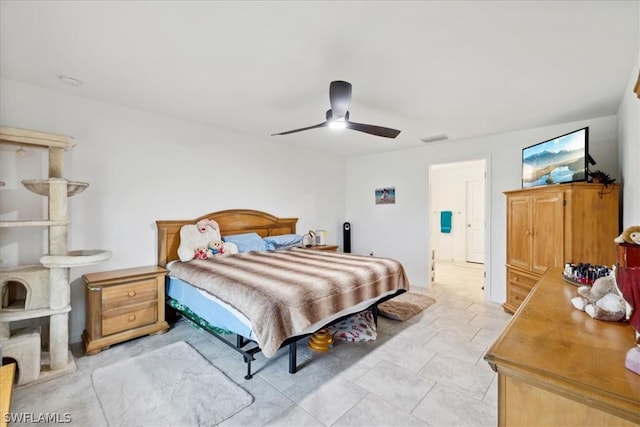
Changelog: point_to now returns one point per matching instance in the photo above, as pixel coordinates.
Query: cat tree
(37, 291)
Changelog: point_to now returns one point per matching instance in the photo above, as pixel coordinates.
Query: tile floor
(428, 371)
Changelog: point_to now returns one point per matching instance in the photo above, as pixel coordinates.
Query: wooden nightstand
(328, 248)
(123, 304)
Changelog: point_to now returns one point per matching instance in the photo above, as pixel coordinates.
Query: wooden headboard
(233, 221)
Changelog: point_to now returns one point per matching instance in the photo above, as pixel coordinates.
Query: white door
(475, 221)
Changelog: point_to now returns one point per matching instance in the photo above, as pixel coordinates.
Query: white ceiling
(463, 69)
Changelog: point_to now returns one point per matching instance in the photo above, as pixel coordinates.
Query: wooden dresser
(552, 225)
(123, 304)
(559, 367)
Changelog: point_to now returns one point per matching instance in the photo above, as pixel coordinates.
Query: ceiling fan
(338, 116)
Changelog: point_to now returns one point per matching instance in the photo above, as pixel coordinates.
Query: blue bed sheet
(207, 307)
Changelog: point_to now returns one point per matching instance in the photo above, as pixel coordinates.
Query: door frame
(487, 214)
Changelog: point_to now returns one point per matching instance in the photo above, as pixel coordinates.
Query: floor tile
(395, 385)
(329, 400)
(459, 376)
(373, 411)
(445, 407)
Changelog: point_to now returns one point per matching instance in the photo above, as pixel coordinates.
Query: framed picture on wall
(385, 196)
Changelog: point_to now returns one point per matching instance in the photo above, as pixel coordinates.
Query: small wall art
(385, 196)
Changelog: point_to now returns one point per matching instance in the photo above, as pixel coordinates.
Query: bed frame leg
(249, 374)
(293, 351)
(374, 311)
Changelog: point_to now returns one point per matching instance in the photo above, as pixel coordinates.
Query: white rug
(171, 386)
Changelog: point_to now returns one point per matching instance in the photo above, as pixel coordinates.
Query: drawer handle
(132, 293)
(132, 318)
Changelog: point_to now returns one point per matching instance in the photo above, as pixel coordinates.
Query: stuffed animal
(203, 241)
(202, 225)
(201, 253)
(216, 248)
(629, 235)
(602, 300)
(196, 237)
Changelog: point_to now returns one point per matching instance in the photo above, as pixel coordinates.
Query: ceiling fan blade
(340, 98)
(373, 130)
(319, 125)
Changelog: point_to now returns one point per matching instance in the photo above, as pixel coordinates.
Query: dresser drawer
(526, 281)
(515, 295)
(127, 294)
(519, 284)
(129, 317)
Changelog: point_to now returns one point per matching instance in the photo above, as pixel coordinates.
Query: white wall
(629, 130)
(400, 230)
(142, 167)
(448, 191)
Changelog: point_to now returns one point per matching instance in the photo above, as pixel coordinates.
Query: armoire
(550, 226)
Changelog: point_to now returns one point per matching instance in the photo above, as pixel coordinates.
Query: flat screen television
(556, 161)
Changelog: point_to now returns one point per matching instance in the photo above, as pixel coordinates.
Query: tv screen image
(555, 161)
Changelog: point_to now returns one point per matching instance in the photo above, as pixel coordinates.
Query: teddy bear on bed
(216, 248)
(602, 300)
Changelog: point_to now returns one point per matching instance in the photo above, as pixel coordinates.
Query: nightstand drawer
(125, 318)
(133, 293)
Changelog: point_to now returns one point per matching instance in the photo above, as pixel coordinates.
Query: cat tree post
(46, 287)
(59, 296)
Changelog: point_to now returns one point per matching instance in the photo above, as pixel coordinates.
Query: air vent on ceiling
(435, 138)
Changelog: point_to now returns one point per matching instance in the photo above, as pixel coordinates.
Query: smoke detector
(435, 138)
(69, 81)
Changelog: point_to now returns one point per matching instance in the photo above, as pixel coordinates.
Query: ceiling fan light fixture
(337, 117)
(337, 124)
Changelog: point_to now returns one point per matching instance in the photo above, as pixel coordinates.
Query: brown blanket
(284, 292)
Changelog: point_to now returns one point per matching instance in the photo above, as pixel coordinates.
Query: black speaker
(346, 238)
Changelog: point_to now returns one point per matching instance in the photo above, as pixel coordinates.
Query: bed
(271, 299)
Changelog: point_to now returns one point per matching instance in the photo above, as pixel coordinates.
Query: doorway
(457, 200)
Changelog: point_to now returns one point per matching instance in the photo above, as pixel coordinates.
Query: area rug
(170, 386)
(405, 305)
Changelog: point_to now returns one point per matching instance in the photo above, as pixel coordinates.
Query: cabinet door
(519, 231)
(593, 218)
(547, 231)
